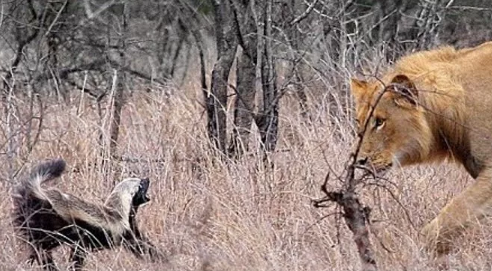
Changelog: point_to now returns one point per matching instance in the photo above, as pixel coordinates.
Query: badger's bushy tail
(41, 173)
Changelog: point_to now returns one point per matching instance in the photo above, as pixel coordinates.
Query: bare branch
(356, 215)
(90, 14)
(48, 31)
(304, 14)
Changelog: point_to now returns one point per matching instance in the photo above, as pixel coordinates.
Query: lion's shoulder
(482, 49)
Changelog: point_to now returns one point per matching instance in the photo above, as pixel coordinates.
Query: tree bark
(244, 104)
(245, 80)
(295, 65)
(118, 102)
(216, 100)
(268, 123)
(118, 95)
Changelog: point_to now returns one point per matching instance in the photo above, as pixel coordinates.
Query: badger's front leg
(78, 257)
(44, 259)
(135, 242)
(469, 206)
(140, 247)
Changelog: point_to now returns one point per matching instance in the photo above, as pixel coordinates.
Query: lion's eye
(378, 123)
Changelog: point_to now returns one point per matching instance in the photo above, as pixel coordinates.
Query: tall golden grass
(207, 214)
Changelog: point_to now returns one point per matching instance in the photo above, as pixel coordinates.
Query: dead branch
(304, 14)
(356, 215)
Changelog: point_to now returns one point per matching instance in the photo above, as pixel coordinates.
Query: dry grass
(208, 215)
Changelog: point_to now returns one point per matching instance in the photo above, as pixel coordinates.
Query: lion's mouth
(375, 169)
(383, 169)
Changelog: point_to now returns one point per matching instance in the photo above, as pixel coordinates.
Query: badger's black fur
(48, 218)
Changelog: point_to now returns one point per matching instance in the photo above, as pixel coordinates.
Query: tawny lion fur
(435, 105)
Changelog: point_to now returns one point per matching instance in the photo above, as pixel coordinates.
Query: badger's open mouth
(141, 196)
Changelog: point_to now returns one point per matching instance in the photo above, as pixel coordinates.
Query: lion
(433, 106)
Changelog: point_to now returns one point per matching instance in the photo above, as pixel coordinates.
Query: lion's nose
(361, 161)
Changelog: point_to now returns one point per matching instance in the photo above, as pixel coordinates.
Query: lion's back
(475, 71)
(447, 59)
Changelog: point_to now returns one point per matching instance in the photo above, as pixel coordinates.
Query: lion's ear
(404, 91)
(358, 88)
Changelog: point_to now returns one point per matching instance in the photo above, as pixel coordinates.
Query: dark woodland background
(57, 47)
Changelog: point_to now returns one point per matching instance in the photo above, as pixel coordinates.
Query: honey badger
(48, 218)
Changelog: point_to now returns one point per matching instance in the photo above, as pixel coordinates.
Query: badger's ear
(404, 91)
(358, 88)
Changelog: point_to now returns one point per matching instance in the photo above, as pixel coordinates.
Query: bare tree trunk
(182, 35)
(216, 100)
(244, 104)
(23, 39)
(55, 12)
(295, 65)
(118, 100)
(245, 80)
(194, 26)
(201, 55)
(269, 117)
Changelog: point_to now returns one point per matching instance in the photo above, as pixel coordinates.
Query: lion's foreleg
(472, 204)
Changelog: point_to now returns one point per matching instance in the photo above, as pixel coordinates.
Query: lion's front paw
(430, 233)
(434, 239)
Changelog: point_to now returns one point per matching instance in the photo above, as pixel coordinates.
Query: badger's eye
(378, 123)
